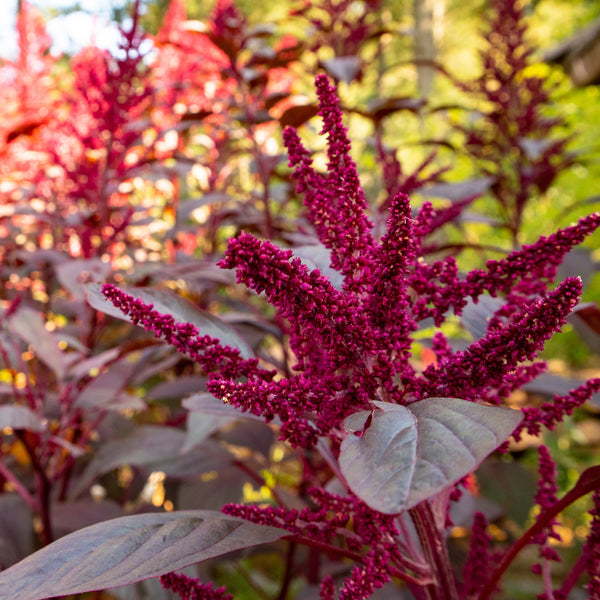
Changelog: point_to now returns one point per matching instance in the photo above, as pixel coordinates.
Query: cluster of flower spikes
(353, 344)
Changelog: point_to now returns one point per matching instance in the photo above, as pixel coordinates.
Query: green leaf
(129, 549)
(407, 454)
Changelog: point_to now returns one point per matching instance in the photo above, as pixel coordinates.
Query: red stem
(588, 482)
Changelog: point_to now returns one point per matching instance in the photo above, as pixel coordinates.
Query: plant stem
(588, 482)
(289, 566)
(19, 487)
(436, 553)
(43, 489)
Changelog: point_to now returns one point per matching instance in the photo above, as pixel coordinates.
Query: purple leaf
(19, 417)
(408, 454)
(107, 390)
(207, 404)
(30, 327)
(16, 533)
(317, 256)
(384, 107)
(73, 273)
(208, 456)
(460, 190)
(379, 465)
(72, 516)
(129, 549)
(585, 319)
(146, 445)
(343, 68)
(177, 388)
(200, 426)
(295, 116)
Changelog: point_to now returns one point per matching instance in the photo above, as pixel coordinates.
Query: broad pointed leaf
(408, 454)
(129, 549)
(379, 463)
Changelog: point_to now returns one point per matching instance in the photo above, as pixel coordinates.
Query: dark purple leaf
(509, 485)
(212, 492)
(70, 516)
(408, 454)
(253, 435)
(384, 107)
(200, 426)
(177, 388)
(129, 549)
(202, 458)
(585, 319)
(550, 385)
(16, 533)
(295, 116)
(577, 263)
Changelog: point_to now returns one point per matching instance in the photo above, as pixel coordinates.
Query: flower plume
(353, 345)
